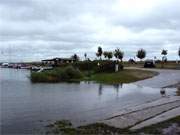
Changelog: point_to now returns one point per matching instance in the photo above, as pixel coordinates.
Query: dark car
(149, 64)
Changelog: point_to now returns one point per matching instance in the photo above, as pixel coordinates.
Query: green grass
(124, 76)
(168, 65)
(66, 128)
(56, 75)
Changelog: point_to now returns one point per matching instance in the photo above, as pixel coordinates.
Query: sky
(31, 30)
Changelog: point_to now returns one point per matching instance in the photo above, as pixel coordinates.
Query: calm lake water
(26, 108)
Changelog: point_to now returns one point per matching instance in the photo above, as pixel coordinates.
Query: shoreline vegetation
(66, 128)
(102, 70)
(90, 71)
(158, 65)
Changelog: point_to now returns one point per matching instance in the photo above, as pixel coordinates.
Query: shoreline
(156, 112)
(177, 85)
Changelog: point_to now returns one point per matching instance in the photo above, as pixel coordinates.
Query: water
(27, 108)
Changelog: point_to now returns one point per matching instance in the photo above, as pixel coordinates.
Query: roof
(58, 59)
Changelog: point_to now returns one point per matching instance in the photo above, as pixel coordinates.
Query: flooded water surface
(26, 107)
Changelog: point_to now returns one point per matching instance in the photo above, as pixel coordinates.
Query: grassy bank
(167, 65)
(124, 76)
(66, 128)
(71, 74)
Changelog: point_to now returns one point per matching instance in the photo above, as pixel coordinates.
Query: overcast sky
(38, 29)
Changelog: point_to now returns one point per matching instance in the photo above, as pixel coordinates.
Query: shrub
(107, 66)
(56, 75)
(44, 77)
(86, 65)
(71, 73)
(62, 65)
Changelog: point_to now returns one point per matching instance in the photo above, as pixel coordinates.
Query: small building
(56, 61)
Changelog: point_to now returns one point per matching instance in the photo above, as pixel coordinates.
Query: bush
(104, 66)
(107, 66)
(71, 73)
(86, 65)
(62, 65)
(44, 77)
(56, 75)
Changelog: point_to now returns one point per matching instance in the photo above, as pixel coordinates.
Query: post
(116, 67)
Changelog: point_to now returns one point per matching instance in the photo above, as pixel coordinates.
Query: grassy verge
(168, 65)
(124, 76)
(69, 74)
(65, 127)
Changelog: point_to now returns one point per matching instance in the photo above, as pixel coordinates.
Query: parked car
(149, 64)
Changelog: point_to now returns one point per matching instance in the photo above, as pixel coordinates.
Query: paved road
(153, 112)
(145, 113)
(160, 118)
(165, 78)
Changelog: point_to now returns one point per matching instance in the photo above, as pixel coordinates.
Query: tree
(85, 56)
(99, 52)
(119, 54)
(141, 54)
(105, 54)
(75, 57)
(164, 59)
(108, 55)
(179, 52)
(164, 52)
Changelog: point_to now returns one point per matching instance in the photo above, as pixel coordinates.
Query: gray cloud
(36, 29)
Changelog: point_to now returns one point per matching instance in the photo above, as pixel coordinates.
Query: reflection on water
(116, 87)
(26, 106)
(100, 89)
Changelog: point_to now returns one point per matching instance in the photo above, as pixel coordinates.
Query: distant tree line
(119, 54)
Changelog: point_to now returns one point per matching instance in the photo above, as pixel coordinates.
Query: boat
(5, 65)
(40, 69)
